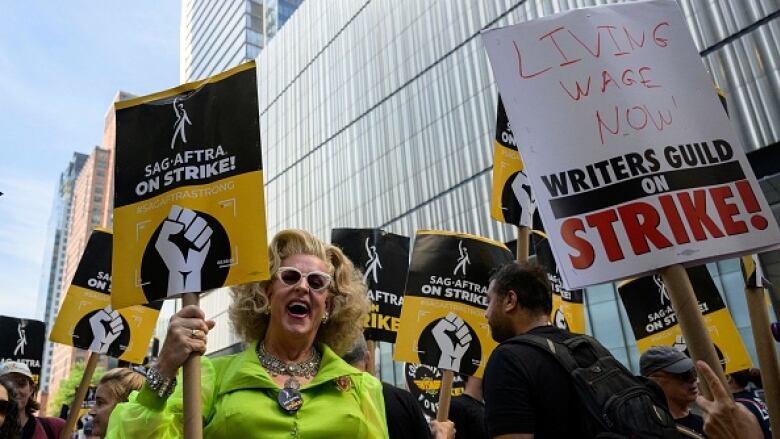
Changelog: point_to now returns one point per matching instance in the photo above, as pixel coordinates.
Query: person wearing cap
(9, 413)
(33, 427)
(674, 372)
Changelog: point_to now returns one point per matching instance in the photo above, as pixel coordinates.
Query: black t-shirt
(28, 431)
(758, 408)
(405, 418)
(468, 415)
(527, 391)
(692, 422)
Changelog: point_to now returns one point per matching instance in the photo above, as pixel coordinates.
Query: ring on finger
(197, 333)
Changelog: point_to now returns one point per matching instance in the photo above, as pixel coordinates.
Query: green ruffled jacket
(239, 401)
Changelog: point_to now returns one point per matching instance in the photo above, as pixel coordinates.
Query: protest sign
(384, 260)
(511, 201)
(443, 317)
(189, 212)
(633, 162)
(424, 383)
(87, 319)
(23, 341)
(756, 287)
(654, 322)
(752, 272)
(568, 307)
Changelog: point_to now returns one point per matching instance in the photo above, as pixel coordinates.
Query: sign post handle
(371, 357)
(689, 316)
(523, 238)
(193, 419)
(81, 392)
(767, 354)
(445, 394)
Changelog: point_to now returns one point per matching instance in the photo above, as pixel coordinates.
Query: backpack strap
(560, 351)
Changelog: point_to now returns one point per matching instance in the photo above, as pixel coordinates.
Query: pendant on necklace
(290, 398)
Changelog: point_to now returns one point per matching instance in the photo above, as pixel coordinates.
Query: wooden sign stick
(765, 349)
(445, 394)
(371, 356)
(193, 418)
(523, 238)
(81, 392)
(689, 316)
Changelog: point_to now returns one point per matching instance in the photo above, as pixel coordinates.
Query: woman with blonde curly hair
(290, 380)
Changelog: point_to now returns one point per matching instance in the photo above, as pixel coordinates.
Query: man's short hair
(530, 282)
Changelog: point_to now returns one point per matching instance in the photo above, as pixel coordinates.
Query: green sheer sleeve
(372, 404)
(145, 415)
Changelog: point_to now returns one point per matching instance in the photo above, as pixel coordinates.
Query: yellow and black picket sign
(751, 271)
(384, 260)
(654, 322)
(568, 306)
(189, 211)
(507, 166)
(88, 321)
(424, 383)
(23, 341)
(443, 316)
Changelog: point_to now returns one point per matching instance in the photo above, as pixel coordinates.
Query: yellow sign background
(79, 302)
(134, 225)
(419, 312)
(723, 333)
(573, 312)
(506, 161)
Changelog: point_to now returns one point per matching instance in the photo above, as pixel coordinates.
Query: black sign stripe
(631, 189)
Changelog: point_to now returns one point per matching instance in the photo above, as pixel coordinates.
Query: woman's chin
(296, 325)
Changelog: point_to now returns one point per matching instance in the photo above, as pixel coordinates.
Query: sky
(61, 63)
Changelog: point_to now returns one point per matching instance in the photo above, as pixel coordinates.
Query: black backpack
(620, 404)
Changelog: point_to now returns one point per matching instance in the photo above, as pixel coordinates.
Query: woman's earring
(325, 317)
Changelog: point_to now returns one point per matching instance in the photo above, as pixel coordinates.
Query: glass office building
(218, 35)
(54, 259)
(382, 114)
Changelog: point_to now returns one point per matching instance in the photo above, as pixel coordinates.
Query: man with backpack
(544, 382)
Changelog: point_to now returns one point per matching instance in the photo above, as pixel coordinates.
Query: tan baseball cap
(15, 367)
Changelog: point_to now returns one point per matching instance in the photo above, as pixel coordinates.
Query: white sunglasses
(291, 276)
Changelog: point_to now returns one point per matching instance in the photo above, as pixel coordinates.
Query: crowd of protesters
(303, 372)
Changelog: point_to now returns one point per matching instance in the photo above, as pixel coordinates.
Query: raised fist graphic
(521, 186)
(183, 243)
(106, 326)
(451, 351)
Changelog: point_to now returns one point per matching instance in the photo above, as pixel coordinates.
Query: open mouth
(298, 309)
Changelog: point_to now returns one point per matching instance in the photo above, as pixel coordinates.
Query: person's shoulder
(397, 392)
(224, 361)
(367, 382)
(332, 363)
(521, 345)
(56, 424)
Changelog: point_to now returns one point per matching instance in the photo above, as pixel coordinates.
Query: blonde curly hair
(120, 382)
(349, 303)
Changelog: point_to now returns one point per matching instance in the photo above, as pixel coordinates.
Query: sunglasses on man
(685, 377)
